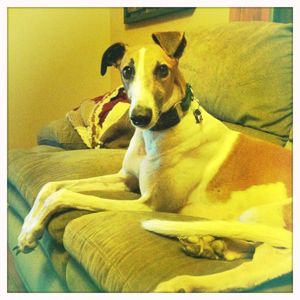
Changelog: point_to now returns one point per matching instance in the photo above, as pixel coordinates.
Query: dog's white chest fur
(169, 168)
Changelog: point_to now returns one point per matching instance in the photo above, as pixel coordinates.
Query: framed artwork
(138, 14)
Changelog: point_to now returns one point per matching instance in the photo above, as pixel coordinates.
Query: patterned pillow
(101, 122)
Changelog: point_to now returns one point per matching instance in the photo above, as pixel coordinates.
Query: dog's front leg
(119, 182)
(64, 199)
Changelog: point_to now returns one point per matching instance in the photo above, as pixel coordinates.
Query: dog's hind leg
(271, 259)
(63, 200)
(268, 263)
(275, 236)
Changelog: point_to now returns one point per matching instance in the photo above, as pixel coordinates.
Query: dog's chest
(170, 180)
(171, 177)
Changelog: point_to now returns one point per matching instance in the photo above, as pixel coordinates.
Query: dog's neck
(185, 136)
(194, 128)
(173, 116)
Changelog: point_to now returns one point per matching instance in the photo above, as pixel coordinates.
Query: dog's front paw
(179, 284)
(27, 240)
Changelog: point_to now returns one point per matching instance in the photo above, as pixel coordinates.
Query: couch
(242, 74)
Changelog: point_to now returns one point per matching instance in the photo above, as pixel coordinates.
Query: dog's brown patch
(251, 162)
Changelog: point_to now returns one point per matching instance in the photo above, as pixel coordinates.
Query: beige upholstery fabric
(242, 73)
(60, 133)
(30, 169)
(122, 257)
(272, 138)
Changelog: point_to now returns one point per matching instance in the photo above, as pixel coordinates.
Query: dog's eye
(128, 72)
(162, 71)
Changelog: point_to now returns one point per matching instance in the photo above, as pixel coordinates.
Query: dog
(185, 161)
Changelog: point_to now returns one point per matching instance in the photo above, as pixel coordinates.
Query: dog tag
(197, 115)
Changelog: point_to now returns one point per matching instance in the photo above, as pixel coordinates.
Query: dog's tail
(277, 237)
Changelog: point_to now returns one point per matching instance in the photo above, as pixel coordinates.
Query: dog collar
(171, 117)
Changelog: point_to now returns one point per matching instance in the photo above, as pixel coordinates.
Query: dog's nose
(141, 116)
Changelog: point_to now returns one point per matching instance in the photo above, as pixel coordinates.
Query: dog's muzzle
(141, 116)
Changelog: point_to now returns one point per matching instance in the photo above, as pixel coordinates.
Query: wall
(141, 32)
(53, 64)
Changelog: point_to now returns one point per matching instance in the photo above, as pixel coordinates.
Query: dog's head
(150, 75)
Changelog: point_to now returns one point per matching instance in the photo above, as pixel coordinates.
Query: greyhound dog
(183, 160)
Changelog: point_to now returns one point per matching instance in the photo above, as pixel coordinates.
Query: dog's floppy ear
(112, 56)
(172, 42)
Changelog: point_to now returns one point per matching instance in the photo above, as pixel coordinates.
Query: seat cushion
(269, 137)
(122, 257)
(60, 133)
(49, 268)
(242, 73)
(35, 269)
(30, 169)
(78, 280)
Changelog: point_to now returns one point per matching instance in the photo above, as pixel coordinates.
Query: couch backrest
(242, 73)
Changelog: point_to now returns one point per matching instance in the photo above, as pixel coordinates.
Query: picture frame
(138, 14)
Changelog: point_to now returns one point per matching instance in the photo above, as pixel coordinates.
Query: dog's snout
(141, 116)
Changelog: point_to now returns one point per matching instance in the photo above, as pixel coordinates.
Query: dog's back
(252, 162)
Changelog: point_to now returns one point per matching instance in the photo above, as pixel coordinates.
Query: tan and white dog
(185, 161)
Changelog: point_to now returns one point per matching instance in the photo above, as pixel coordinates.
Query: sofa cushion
(35, 269)
(30, 169)
(18, 210)
(122, 257)
(242, 73)
(60, 133)
(60, 267)
(289, 144)
(78, 280)
(101, 122)
(272, 138)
